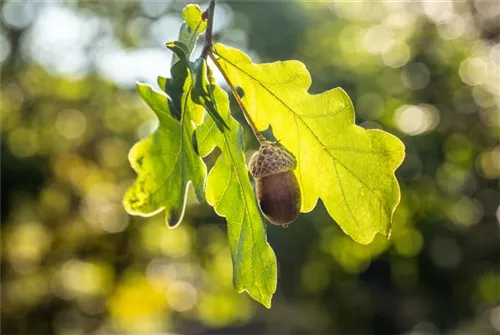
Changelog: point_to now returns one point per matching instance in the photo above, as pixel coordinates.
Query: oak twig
(209, 16)
(207, 51)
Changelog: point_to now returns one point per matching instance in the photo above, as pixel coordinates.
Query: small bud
(276, 185)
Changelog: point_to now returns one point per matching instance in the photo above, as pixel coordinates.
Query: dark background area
(73, 262)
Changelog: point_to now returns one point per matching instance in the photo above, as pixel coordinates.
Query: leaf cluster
(349, 168)
(171, 158)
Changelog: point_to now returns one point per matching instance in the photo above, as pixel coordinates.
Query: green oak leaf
(166, 162)
(229, 191)
(202, 93)
(351, 169)
(192, 27)
(174, 87)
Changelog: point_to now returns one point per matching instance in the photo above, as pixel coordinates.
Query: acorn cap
(271, 158)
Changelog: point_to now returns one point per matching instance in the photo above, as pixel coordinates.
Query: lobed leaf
(351, 169)
(192, 27)
(165, 161)
(203, 95)
(230, 192)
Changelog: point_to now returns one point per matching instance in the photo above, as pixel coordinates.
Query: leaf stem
(209, 16)
(256, 132)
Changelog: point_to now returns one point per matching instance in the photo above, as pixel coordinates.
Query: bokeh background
(73, 262)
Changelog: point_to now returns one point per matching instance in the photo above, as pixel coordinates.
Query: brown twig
(209, 16)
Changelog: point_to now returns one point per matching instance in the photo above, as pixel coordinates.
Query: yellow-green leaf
(351, 169)
(230, 192)
(165, 161)
(193, 16)
(192, 27)
(202, 93)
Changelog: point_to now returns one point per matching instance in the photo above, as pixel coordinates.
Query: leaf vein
(299, 116)
(345, 200)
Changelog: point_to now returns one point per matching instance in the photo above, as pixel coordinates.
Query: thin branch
(207, 50)
(256, 132)
(209, 16)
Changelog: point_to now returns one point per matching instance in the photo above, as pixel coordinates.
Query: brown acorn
(276, 185)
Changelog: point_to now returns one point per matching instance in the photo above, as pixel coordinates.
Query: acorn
(276, 185)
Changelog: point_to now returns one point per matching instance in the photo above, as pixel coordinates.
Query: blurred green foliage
(74, 263)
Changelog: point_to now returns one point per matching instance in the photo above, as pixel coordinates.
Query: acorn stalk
(276, 185)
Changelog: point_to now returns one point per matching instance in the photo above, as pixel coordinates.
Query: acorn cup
(276, 186)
